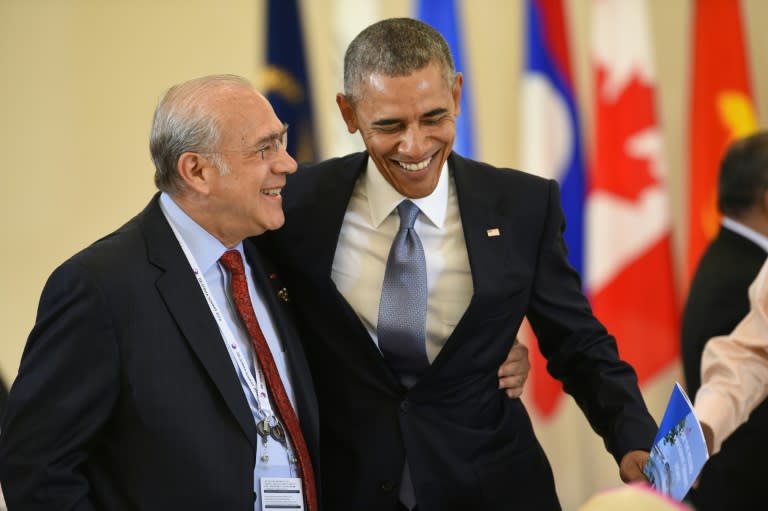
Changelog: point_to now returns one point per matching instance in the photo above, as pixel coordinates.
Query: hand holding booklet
(679, 450)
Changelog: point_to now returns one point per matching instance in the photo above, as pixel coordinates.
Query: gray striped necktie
(403, 306)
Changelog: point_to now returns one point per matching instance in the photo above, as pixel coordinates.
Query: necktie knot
(233, 262)
(408, 212)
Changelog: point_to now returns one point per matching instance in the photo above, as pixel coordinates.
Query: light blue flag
(441, 14)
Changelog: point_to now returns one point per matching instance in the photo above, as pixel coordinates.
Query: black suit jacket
(717, 302)
(126, 398)
(468, 446)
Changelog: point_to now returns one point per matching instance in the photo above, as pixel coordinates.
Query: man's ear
(347, 112)
(192, 170)
(456, 92)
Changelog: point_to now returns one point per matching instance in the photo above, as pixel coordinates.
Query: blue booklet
(679, 450)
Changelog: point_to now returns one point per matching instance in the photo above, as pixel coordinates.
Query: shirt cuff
(716, 410)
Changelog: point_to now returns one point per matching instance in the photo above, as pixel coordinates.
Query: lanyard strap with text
(256, 385)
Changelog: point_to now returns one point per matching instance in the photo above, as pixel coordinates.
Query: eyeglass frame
(271, 145)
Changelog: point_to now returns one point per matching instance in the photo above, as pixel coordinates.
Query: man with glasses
(163, 371)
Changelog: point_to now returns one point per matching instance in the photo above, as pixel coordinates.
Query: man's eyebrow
(436, 111)
(385, 122)
(272, 136)
(432, 113)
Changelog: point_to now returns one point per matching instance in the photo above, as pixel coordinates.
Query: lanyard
(257, 385)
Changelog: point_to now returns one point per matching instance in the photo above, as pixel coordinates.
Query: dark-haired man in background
(717, 302)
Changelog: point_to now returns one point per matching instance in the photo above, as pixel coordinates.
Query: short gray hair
(395, 47)
(184, 122)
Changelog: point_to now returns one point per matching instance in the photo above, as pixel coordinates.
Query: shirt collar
(205, 248)
(747, 232)
(383, 198)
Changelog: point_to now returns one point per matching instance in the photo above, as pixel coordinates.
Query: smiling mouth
(272, 192)
(415, 167)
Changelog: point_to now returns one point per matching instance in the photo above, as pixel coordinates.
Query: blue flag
(285, 78)
(550, 110)
(441, 14)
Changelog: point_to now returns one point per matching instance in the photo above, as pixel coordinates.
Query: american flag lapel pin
(493, 232)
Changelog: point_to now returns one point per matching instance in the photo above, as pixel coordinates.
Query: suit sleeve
(62, 397)
(579, 351)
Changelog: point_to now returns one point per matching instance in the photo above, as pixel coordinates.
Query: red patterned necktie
(234, 264)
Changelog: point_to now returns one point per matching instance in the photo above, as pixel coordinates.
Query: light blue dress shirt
(207, 250)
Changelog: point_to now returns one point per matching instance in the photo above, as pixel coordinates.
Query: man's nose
(412, 142)
(285, 164)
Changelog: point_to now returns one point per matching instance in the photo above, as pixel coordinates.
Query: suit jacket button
(387, 486)
(404, 405)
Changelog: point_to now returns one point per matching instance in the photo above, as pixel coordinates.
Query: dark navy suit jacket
(126, 398)
(468, 446)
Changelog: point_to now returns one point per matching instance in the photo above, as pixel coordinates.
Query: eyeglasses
(269, 147)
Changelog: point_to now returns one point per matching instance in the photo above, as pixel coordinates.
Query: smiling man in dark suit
(412, 414)
(140, 387)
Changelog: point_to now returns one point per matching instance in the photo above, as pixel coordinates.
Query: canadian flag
(627, 226)
(629, 270)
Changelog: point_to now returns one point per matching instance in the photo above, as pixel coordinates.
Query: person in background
(3, 395)
(412, 269)
(632, 497)
(3, 398)
(716, 302)
(734, 373)
(146, 383)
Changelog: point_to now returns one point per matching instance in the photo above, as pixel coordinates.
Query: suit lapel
(184, 299)
(483, 217)
(325, 211)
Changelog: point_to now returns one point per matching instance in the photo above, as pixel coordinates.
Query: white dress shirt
(370, 225)
(746, 232)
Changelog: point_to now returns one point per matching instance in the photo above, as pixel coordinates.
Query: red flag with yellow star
(721, 111)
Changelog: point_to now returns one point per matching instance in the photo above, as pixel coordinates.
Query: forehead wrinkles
(388, 97)
(248, 119)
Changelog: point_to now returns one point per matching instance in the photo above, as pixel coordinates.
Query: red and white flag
(629, 268)
(628, 271)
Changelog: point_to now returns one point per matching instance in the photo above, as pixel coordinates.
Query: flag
(551, 146)
(721, 111)
(285, 77)
(629, 251)
(442, 15)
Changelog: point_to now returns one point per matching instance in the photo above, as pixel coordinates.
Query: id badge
(281, 493)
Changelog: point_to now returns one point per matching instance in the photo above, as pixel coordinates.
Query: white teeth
(274, 192)
(415, 166)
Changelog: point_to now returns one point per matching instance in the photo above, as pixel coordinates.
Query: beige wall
(79, 80)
